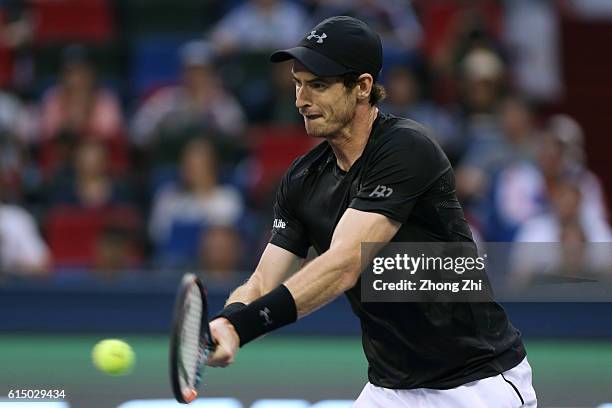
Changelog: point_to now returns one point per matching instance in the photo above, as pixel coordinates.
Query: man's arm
(338, 268)
(275, 266)
(323, 279)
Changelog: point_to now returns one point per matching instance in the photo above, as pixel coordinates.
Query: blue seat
(155, 62)
(180, 250)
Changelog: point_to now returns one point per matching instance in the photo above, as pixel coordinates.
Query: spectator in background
(483, 74)
(518, 125)
(89, 183)
(16, 32)
(510, 183)
(181, 211)
(523, 189)
(22, 250)
(255, 26)
(116, 251)
(199, 104)
(562, 224)
(15, 133)
(14, 117)
(562, 155)
(405, 98)
(531, 35)
(451, 30)
(78, 107)
(220, 253)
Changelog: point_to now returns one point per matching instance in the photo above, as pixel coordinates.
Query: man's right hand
(227, 341)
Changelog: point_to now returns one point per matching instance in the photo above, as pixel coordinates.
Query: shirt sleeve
(288, 231)
(401, 168)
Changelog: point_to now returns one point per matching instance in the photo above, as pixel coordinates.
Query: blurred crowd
(149, 134)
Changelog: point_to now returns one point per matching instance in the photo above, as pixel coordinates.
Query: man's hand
(227, 340)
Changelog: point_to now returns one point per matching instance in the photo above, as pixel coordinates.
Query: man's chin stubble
(315, 133)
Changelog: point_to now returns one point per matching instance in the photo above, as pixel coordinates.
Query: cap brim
(316, 63)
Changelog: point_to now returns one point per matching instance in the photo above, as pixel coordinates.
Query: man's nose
(302, 99)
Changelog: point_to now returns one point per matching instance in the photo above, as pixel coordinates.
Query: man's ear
(365, 82)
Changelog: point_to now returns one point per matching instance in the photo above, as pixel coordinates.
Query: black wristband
(268, 313)
(232, 307)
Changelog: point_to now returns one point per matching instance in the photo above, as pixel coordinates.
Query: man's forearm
(324, 279)
(313, 286)
(275, 266)
(246, 293)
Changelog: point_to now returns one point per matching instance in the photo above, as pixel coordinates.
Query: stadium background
(100, 266)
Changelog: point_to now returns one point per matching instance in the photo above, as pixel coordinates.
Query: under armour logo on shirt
(319, 38)
(381, 191)
(265, 313)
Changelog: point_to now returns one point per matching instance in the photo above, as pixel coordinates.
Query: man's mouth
(312, 116)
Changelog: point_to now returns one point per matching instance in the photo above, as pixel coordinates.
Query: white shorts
(511, 389)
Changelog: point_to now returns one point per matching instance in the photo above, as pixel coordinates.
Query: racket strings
(190, 350)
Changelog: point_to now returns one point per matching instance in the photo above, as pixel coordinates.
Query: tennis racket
(191, 342)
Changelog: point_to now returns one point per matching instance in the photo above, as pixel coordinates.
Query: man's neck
(348, 144)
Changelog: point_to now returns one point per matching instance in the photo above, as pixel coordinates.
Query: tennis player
(375, 178)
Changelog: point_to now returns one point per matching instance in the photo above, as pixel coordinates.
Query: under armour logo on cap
(319, 38)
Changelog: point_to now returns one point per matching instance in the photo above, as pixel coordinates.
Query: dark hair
(378, 91)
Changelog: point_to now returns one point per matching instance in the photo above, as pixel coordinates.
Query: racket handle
(192, 395)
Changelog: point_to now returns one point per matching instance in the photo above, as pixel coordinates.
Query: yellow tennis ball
(113, 356)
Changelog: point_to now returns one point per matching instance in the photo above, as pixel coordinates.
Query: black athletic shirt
(408, 345)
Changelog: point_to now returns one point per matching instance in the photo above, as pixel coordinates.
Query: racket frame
(205, 346)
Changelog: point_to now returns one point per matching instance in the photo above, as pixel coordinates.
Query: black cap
(336, 46)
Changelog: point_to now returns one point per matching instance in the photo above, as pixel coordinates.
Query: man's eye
(318, 85)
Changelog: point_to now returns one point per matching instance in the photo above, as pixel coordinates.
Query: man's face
(325, 103)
